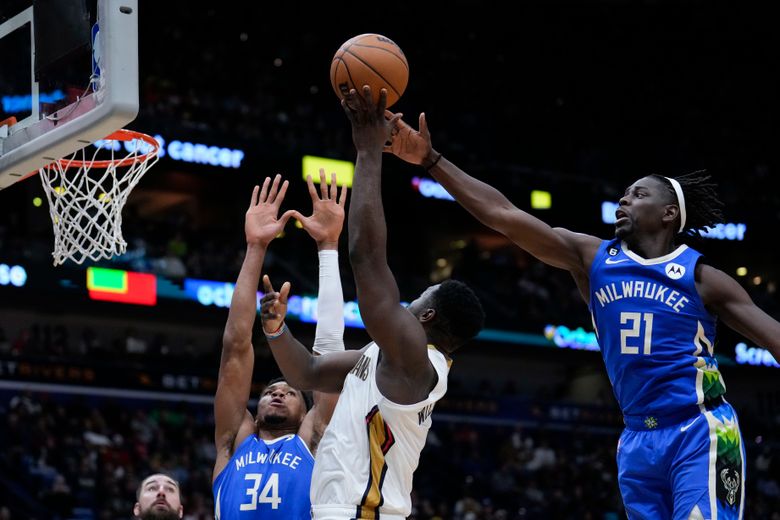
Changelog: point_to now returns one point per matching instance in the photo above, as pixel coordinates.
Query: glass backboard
(69, 77)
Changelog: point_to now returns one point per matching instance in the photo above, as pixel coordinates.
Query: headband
(680, 200)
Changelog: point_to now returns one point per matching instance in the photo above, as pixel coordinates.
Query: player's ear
(671, 212)
(427, 315)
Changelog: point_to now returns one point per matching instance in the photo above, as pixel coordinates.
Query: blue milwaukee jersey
(655, 335)
(265, 479)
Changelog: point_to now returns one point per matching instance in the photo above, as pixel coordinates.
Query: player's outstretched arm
(394, 329)
(722, 294)
(300, 368)
(232, 420)
(324, 226)
(554, 246)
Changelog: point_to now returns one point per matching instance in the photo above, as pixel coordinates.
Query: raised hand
(273, 305)
(262, 223)
(327, 218)
(371, 129)
(408, 144)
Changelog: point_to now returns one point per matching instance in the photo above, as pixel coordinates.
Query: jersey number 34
(269, 494)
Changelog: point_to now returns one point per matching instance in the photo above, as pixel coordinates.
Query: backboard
(68, 78)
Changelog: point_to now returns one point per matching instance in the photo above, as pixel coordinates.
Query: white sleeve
(329, 336)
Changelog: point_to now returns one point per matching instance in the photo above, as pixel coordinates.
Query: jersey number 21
(634, 321)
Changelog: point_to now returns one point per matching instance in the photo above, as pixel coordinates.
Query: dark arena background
(560, 105)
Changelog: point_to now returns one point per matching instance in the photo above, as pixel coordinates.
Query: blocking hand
(408, 144)
(261, 223)
(327, 218)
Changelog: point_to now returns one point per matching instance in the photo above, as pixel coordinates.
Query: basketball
(370, 59)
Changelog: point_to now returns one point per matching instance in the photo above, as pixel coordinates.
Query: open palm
(262, 224)
(327, 218)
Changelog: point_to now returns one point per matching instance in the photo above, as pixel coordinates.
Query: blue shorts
(666, 471)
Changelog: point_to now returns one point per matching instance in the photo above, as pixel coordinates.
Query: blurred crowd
(81, 458)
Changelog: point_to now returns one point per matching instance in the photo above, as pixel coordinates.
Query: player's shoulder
(706, 273)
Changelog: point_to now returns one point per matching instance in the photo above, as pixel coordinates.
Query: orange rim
(119, 135)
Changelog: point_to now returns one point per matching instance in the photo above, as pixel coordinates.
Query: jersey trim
(652, 261)
(442, 379)
(380, 440)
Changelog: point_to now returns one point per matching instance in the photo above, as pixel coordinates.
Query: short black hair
(459, 312)
(307, 398)
(703, 207)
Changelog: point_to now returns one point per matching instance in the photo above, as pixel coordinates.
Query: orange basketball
(370, 59)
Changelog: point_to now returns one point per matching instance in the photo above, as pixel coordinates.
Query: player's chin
(274, 418)
(622, 231)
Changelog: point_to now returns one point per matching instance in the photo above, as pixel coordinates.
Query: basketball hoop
(87, 192)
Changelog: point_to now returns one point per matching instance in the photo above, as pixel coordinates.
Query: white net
(86, 195)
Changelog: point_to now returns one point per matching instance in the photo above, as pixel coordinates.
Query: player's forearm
(294, 360)
(330, 305)
(367, 228)
(478, 198)
(243, 305)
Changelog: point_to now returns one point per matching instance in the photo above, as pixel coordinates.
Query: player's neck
(270, 432)
(650, 246)
(444, 350)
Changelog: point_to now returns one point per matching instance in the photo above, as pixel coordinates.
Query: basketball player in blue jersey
(654, 305)
(264, 463)
(366, 460)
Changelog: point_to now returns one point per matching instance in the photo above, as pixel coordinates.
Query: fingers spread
(323, 185)
(334, 189)
(312, 190)
(264, 190)
(343, 197)
(274, 189)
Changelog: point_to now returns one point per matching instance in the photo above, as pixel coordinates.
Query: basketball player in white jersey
(370, 450)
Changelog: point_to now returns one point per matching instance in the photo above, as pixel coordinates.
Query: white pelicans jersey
(368, 454)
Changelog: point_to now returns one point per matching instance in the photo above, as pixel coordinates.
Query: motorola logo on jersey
(675, 271)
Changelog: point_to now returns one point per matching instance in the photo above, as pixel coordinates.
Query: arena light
(116, 285)
(754, 356)
(14, 275)
(303, 308)
(344, 170)
(184, 151)
(23, 103)
(430, 189)
(578, 339)
(541, 199)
